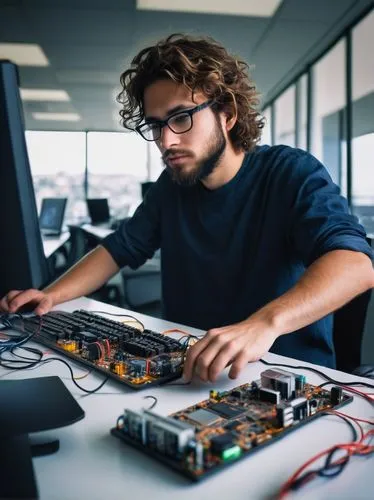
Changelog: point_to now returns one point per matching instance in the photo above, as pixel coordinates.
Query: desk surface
(99, 232)
(51, 244)
(91, 464)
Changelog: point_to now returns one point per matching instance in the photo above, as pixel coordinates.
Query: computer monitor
(52, 216)
(22, 260)
(98, 210)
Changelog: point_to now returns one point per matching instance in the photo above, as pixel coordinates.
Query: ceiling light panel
(50, 95)
(23, 54)
(256, 8)
(57, 117)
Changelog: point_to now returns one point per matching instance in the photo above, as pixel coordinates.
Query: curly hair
(202, 65)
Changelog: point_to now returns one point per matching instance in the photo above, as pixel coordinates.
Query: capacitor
(336, 395)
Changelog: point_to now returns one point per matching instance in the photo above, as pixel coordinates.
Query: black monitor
(98, 210)
(22, 260)
(52, 216)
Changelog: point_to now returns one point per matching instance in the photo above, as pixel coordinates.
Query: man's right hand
(34, 300)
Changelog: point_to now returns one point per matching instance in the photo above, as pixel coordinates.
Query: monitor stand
(27, 406)
(17, 478)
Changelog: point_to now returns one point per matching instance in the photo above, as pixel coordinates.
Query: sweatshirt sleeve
(320, 220)
(138, 237)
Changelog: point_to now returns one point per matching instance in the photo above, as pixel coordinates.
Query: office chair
(348, 331)
(142, 287)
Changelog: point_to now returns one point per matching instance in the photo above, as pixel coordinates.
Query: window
(285, 117)
(266, 131)
(57, 161)
(117, 164)
(156, 165)
(302, 111)
(328, 108)
(363, 122)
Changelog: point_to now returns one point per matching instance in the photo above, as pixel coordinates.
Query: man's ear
(230, 121)
(231, 115)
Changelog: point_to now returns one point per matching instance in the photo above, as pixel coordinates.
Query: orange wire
(177, 330)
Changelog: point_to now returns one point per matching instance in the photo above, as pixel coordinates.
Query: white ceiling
(88, 43)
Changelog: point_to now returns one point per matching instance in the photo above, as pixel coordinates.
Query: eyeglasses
(179, 123)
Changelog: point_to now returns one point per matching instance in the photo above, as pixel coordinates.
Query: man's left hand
(236, 344)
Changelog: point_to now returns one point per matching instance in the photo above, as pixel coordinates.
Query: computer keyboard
(134, 357)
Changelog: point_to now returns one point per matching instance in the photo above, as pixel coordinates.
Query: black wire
(324, 472)
(42, 362)
(328, 465)
(176, 383)
(88, 391)
(29, 364)
(29, 349)
(155, 401)
(331, 380)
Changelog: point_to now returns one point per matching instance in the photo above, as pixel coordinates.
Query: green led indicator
(231, 453)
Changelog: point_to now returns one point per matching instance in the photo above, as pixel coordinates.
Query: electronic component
(269, 395)
(257, 429)
(279, 380)
(85, 336)
(197, 449)
(168, 436)
(203, 417)
(336, 395)
(222, 442)
(313, 405)
(300, 408)
(135, 425)
(227, 426)
(230, 426)
(136, 358)
(299, 382)
(226, 411)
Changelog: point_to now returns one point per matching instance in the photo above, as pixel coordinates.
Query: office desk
(51, 245)
(100, 232)
(91, 464)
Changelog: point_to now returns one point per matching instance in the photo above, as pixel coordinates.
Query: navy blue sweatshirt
(227, 252)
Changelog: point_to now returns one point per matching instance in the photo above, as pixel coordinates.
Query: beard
(204, 167)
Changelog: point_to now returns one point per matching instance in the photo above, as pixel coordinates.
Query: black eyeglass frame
(163, 123)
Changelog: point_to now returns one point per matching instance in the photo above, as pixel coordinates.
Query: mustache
(175, 152)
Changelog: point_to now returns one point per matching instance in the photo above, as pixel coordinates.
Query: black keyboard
(136, 358)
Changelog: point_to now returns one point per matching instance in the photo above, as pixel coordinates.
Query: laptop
(98, 210)
(52, 216)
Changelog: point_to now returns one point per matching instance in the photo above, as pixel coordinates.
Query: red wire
(356, 419)
(356, 448)
(108, 346)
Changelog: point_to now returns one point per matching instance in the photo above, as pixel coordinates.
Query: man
(258, 247)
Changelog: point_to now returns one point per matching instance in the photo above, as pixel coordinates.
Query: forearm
(329, 283)
(86, 276)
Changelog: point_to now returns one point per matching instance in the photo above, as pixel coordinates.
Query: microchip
(86, 336)
(257, 429)
(233, 425)
(203, 417)
(227, 411)
(221, 442)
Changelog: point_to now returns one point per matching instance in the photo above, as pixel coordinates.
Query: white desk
(100, 232)
(91, 464)
(51, 245)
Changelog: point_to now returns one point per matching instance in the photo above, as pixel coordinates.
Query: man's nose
(168, 138)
